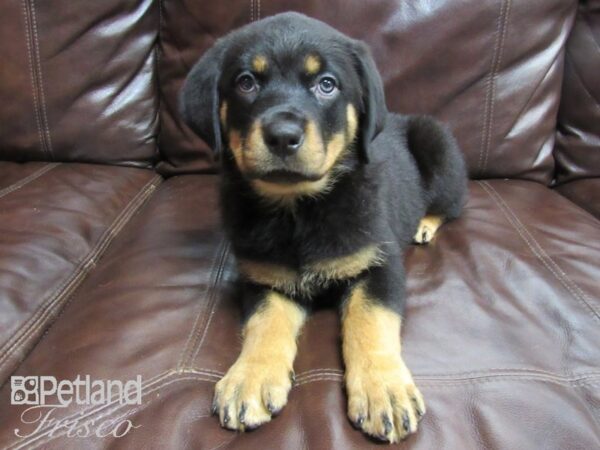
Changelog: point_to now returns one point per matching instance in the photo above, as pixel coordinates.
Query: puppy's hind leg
(427, 228)
(442, 170)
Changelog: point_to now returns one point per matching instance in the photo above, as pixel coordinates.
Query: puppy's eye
(246, 83)
(326, 86)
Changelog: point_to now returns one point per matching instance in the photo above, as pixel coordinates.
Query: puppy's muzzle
(283, 133)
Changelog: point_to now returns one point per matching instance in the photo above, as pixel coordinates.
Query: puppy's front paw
(250, 393)
(383, 401)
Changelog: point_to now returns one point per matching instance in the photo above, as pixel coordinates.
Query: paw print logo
(24, 390)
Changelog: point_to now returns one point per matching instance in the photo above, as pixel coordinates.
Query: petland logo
(45, 394)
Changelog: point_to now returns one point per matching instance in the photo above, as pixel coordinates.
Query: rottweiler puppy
(322, 189)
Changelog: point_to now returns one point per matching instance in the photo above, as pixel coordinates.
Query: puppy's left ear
(199, 97)
(373, 110)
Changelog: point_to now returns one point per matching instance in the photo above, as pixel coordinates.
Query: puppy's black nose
(283, 137)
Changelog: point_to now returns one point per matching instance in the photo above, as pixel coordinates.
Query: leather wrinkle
(546, 260)
(533, 92)
(577, 75)
(70, 284)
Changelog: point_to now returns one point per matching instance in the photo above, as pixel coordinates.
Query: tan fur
(312, 64)
(259, 381)
(286, 193)
(223, 114)
(272, 275)
(378, 383)
(235, 144)
(313, 275)
(312, 152)
(260, 63)
(351, 122)
(314, 157)
(427, 228)
(347, 266)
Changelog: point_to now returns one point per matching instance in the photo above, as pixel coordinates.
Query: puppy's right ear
(199, 97)
(373, 110)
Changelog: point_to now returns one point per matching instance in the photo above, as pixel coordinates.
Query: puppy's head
(289, 99)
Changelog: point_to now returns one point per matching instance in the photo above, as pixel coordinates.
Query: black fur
(399, 167)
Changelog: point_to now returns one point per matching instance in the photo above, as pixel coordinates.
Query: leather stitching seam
(49, 307)
(28, 179)
(40, 83)
(539, 252)
(36, 105)
(488, 113)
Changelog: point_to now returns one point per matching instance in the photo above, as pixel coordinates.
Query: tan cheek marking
(257, 154)
(312, 64)
(313, 144)
(335, 147)
(223, 114)
(382, 395)
(338, 145)
(351, 122)
(260, 64)
(261, 378)
(427, 228)
(348, 266)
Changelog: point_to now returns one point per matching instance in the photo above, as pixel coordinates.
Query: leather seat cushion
(56, 221)
(501, 331)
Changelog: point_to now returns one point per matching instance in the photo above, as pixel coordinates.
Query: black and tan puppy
(322, 189)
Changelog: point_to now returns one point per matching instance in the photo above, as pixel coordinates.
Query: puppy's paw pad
(250, 394)
(385, 405)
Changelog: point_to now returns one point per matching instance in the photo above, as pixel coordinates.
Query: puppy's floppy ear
(373, 110)
(199, 97)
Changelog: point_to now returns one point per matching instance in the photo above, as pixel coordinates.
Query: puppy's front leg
(258, 383)
(383, 400)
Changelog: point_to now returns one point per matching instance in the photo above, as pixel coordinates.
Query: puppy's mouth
(282, 176)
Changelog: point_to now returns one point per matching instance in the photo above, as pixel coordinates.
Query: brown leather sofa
(113, 262)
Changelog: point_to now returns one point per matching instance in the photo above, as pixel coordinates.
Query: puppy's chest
(309, 278)
(303, 253)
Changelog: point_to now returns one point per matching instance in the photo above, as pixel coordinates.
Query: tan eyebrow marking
(312, 64)
(260, 63)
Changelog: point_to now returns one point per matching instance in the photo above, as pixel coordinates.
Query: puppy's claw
(406, 422)
(387, 424)
(242, 414)
(358, 422)
(226, 417)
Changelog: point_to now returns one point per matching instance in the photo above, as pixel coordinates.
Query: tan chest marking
(313, 275)
(347, 266)
(279, 277)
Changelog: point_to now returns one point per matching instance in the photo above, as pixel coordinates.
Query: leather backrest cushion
(77, 80)
(577, 148)
(492, 69)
